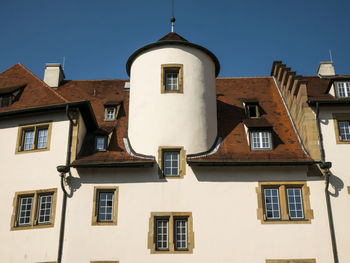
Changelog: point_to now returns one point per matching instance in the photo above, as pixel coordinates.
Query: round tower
(172, 96)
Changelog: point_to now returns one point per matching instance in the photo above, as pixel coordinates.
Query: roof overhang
(248, 163)
(84, 107)
(329, 102)
(139, 164)
(176, 43)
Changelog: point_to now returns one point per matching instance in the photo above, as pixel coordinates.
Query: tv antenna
(64, 61)
(330, 55)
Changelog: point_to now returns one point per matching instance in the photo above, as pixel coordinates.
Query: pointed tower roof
(169, 39)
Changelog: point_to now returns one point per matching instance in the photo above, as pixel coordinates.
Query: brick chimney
(326, 69)
(53, 75)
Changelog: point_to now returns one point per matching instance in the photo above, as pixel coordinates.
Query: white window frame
(345, 86)
(260, 134)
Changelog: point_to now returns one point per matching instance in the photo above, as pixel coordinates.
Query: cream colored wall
(172, 119)
(339, 155)
(223, 202)
(30, 171)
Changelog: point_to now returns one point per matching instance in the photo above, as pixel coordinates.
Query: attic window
(111, 112)
(260, 140)
(101, 143)
(6, 99)
(252, 110)
(343, 89)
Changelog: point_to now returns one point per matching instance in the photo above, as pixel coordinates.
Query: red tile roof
(172, 36)
(231, 116)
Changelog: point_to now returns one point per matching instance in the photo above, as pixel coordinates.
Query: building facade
(174, 164)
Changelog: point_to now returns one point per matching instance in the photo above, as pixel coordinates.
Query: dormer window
(11, 95)
(110, 113)
(101, 143)
(260, 140)
(172, 78)
(342, 89)
(252, 110)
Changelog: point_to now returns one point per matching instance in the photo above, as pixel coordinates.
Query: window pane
(28, 140)
(171, 162)
(181, 233)
(344, 130)
(272, 205)
(110, 113)
(42, 138)
(295, 204)
(45, 209)
(261, 139)
(171, 81)
(162, 233)
(343, 89)
(100, 143)
(105, 206)
(25, 210)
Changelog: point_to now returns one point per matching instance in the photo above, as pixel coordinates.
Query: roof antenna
(172, 19)
(330, 55)
(64, 61)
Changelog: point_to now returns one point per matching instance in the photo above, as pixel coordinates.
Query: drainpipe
(326, 166)
(63, 170)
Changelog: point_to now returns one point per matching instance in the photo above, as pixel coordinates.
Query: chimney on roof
(326, 69)
(53, 74)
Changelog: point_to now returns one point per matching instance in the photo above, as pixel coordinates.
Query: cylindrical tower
(172, 96)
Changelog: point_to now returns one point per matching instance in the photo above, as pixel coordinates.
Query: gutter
(63, 171)
(85, 104)
(328, 102)
(115, 164)
(326, 166)
(247, 163)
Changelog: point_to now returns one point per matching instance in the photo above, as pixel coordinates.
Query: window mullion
(34, 217)
(171, 237)
(283, 203)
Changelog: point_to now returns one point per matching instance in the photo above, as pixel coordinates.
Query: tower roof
(172, 39)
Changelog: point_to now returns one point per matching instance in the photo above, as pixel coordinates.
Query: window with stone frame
(105, 206)
(172, 78)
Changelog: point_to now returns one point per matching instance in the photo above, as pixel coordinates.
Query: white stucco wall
(26, 172)
(223, 202)
(339, 155)
(172, 119)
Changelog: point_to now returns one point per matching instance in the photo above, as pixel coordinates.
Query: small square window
(260, 140)
(101, 143)
(33, 138)
(172, 78)
(105, 206)
(171, 232)
(172, 161)
(111, 112)
(252, 111)
(343, 89)
(34, 209)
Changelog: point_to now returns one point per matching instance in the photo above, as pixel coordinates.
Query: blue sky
(97, 37)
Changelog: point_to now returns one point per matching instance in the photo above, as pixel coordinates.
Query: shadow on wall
(252, 174)
(336, 184)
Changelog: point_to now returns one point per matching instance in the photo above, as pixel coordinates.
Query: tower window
(172, 78)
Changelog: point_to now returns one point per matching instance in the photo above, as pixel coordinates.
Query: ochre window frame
(172, 67)
(282, 186)
(97, 190)
(115, 112)
(182, 160)
(336, 118)
(36, 127)
(172, 216)
(35, 209)
(307, 260)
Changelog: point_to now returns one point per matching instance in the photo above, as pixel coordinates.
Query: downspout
(326, 166)
(63, 170)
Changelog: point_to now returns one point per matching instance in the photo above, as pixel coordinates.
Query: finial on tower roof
(172, 19)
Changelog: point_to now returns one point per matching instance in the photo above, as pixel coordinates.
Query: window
(342, 89)
(172, 161)
(105, 205)
(172, 78)
(260, 140)
(171, 232)
(101, 143)
(33, 137)
(110, 113)
(342, 127)
(33, 209)
(252, 111)
(284, 202)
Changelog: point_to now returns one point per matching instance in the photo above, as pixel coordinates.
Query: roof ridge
(43, 83)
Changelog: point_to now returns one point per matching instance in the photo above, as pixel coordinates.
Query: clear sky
(97, 37)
